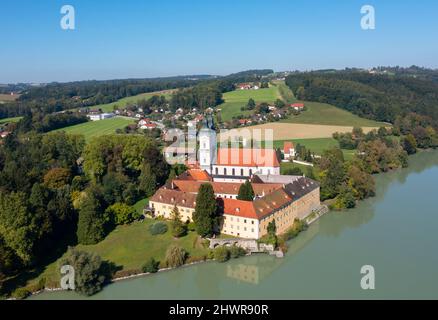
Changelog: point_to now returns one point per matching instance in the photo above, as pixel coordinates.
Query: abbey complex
(276, 197)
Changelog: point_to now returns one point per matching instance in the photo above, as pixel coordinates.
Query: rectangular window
(225, 171)
(241, 172)
(234, 172)
(217, 170)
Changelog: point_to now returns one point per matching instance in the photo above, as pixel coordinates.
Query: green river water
(396, 232)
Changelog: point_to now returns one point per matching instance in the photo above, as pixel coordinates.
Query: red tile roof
(288, 145)
(247, 157)
(297, 105)
(199, 175)
(239, 208)
(174, 197)
(260, 189)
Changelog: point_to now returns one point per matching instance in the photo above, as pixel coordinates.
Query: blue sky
(134, 38)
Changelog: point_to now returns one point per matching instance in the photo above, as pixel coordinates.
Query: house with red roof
(297, 106)
(288, 150)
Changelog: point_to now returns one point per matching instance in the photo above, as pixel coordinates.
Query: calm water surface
(396, 232)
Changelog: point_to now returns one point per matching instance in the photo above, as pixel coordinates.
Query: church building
(233, 164)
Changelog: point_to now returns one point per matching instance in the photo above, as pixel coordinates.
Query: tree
(331, 173)
(272, 233)
(246, 192)
(175, 256)
(18, 227)
(251, 104)
(179, 229)
(89, 270)
(205, 217)
(147, 180)
(151, 266)
(57, 177)
(121, 213)
(279, 104)
(409, 144)
(91, 224)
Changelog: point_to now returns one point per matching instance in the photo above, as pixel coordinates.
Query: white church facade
(233, 164)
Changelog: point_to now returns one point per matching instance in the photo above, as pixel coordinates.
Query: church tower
(207, 144)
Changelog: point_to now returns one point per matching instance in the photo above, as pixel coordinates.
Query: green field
(98, 128)
(317, 146)
(325, 114)
(129, 247)
(234, 100)
(10, 120)
(109, 107)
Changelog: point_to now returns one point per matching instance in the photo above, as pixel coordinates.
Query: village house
(288, 150)
(297, 106)
(146, 124)
(99, 116)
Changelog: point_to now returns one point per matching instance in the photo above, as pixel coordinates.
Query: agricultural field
(8, 97)
(234, 100)
(10, 120)
(109, 107)
(98, 128)
(130, 246)
(326, 114)
(288, 131)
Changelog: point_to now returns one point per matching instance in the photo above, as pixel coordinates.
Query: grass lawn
(289, 165)
(129, 247)
(234, 100)
(322, 113)
(109, 107)
(9, 120)
(98, 128)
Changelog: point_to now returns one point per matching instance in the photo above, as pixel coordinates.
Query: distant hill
(374, 95)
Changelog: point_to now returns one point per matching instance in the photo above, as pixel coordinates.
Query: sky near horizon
(151, 38)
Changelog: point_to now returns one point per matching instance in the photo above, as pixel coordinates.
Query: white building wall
(240, 227)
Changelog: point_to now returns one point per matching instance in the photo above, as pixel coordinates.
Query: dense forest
(384, 96)
(67, 192)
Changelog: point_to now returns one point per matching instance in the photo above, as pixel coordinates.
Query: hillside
(326, 114)
(234, 100)
(98, 128)
(375, 96)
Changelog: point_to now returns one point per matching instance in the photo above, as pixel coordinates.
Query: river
(396, 232)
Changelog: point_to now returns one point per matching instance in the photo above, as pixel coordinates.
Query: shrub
(221, 254)
(151, 266)
(21, 293)
(175, 256)
(236, 252)
(158, 228)
(191, 226)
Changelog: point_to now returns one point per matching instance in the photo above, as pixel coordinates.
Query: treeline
(57, 97)
(54, 189)
(346, 182)
(374, 96)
